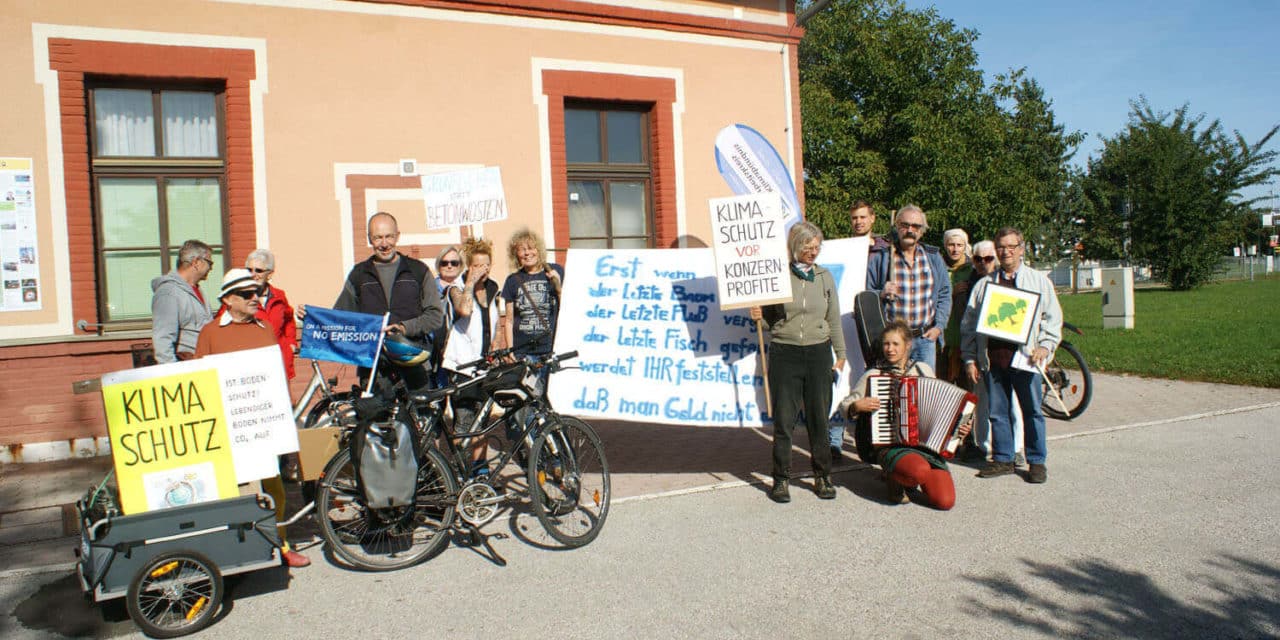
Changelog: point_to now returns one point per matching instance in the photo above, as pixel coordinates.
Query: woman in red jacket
(275, 311)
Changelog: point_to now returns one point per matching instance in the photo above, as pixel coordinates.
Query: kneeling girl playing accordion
(904, 467)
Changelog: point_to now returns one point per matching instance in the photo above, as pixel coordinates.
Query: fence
(1089, 272)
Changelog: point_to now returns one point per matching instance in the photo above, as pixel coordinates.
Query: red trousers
(913, 470)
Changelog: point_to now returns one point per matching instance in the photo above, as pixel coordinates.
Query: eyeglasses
(451, 263)
(209, 260)
(985, 258)
(1008, 247)
(910, 225)
(257, 270)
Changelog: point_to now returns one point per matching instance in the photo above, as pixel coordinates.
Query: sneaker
(1038, 474)
(1020, 460)
(294, 559)
(779, 493)
(996, 469)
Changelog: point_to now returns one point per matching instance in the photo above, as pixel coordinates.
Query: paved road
(1162, 531)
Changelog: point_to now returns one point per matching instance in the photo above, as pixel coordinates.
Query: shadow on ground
(1237, 598)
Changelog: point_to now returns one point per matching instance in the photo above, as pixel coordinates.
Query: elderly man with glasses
(178, 309)
(914, 283)
(235, 329)
(994, 362)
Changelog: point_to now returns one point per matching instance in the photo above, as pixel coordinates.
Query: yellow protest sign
(169, 440)
(1008, 313)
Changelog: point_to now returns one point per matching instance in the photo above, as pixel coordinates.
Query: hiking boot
(1038, 474)
(996, 469)
(1020, 460)
(972, 453)
(779, 493)
(822, 487)
(294, 559)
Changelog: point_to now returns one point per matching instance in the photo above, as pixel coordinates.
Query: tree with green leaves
(896, 111)
(1166, 191)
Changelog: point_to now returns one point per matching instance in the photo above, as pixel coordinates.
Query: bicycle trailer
(169, 563)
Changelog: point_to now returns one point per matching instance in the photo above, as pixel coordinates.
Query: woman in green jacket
(806, 349)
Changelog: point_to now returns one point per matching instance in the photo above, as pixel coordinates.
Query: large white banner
(466, 197)
(654, 345)
(750, 244)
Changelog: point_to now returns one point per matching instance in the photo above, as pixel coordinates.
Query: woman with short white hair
(806, 349)
(275, 309)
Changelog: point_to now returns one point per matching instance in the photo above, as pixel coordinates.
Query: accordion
(920, 412)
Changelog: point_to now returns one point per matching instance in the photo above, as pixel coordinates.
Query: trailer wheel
(177, 593)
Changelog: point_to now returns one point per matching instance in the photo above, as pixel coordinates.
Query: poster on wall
(465, 197)
(750, 246)
(19, 264)
(190, 431)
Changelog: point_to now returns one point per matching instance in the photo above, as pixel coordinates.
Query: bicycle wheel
(1069, 374)
(391, 538)
(174, 594)
(569, 481)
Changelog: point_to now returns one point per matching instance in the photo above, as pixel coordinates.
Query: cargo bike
(169, 564)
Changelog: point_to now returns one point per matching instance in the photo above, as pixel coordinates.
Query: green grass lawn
(1227, 332)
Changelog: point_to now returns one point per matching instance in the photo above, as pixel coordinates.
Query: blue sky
(1093, 57)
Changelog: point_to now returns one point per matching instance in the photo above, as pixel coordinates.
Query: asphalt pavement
(1158, 521)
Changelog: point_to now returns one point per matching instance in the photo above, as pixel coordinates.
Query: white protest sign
(465, 197)
(255, 397)
(655, 346)
(653, 343)
(750, 243)
(846, 259)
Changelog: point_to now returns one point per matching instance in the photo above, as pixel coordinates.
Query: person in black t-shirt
(532, 294)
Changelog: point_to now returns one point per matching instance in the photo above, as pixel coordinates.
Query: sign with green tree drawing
(1007, 313)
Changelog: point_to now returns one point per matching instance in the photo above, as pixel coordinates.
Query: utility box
(1117, 298)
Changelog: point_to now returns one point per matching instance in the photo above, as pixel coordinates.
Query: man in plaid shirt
(914, 283)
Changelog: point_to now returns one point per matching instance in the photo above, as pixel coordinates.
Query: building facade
(134, 125)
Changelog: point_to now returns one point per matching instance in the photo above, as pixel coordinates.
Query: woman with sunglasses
(448, 272)
(275, 309)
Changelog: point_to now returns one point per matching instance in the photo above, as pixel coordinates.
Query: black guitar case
(868, 317)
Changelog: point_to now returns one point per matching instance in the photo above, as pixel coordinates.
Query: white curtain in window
(123, 122)
(190, 124)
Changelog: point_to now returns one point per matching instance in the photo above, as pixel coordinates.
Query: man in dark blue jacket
(913, 282)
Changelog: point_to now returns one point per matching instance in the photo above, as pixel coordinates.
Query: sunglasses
(451, 263)
(985, 258)
(257, 270)
(248, 293)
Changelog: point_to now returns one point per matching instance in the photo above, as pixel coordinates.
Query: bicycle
(565, 467)
(1073, 382)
